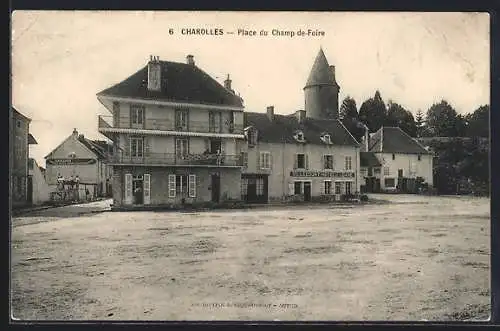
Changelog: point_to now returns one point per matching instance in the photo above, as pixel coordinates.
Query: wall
(230, 183)
(283, 159)
(41, 190)
(321, 101)
(410, 164)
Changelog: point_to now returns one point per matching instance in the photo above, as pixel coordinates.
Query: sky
(62, 59)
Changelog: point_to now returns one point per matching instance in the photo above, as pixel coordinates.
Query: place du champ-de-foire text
(241, 32)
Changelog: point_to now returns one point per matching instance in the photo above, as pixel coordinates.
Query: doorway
(307, 191)
(215, 188)
(254, 188)
(138, 190)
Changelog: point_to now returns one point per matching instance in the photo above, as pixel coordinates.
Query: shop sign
(70, 161)
(320, 173)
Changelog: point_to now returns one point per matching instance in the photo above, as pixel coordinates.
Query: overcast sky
(60, 60)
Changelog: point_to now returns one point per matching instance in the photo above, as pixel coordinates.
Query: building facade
(405, 163)
(20, 140)
(38, 188)
(80, 157)
(177, 136)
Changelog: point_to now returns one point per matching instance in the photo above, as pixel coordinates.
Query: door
(138, 191)
(252, 190)
(400, 173)
(215, 188)
(307, 191)
(30, 190)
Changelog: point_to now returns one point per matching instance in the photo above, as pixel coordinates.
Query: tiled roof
(394, 140)
(96, 146)
(283, 127)
(180, 82)
(31, 140)
(368, 159)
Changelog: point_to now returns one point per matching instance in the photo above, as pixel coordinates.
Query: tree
(419, 123)
(373, 112)
(478, 123)
(443, 121)
(400, 117)
(348, 109)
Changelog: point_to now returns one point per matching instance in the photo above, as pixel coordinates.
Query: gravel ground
(416, 258)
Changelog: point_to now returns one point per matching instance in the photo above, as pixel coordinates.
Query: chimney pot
(270, 113)
(227, 83)
(190, 59)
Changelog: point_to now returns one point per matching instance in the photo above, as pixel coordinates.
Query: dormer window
(299, 136)
(251, 136)
(326, 138)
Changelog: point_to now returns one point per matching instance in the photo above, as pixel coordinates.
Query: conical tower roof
(321, 74)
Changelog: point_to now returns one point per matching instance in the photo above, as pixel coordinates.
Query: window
(259, 186)
(171, 186)
(181, 147)
(244, 159)
(390, 182)
(244, 187)
(327, 161)
(265, 160)
(348, 163)
(215, 146)
(338, 187)
(419, 157)
(18, 124)
(136, 147)
(299, 136)
(214, 118)
(326, 139)
(386, 171)
(400, 173)
(192, 186)
(301, 161)
(181, 120)
(348, 187)
(376, 171)
(297, 188)
(137, 114)
(393, 156)
(181, 184)
(231, 122)
(364, 172)
(328, 187)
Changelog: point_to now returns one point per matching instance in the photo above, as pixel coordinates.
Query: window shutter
(147, 189)
(291, 189)
(128, 188)
(147, 146)
(296, 161)
(126, 145)
(323, 187)
(222, 147)
(116, 114)
(171, 186)
(270, 160)
(131, 115)
(192, 186)
(207, 144)
(259, 166)
(307, 160)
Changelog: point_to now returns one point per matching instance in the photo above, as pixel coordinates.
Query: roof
(394, 140)
(16, 112)
(98, 147)
(368, 159)
(321, 74)
(31, 139)
(283, 127)
(180, 82)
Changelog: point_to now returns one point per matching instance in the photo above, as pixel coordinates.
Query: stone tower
(322, 91)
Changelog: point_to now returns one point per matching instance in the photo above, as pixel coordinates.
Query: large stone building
(177, 136)
(20, 139)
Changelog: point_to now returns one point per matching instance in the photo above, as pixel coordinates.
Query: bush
(363, 197)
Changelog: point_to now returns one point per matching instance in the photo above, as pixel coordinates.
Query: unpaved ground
(418, 258)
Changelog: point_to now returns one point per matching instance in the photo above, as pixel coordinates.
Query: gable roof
(368, 159)
(17, 113)
(180, 82)
(283, 127)
(394, 140)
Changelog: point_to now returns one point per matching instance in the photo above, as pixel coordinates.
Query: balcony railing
(168, 125)
(174, 159)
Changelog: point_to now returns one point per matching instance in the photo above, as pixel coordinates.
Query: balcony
(170, 159)
(158, 124)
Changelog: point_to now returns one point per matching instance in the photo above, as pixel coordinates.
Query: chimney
(154, 73)
(301, 115)
(270, 113)
(227, 83)
(190, 59)
(75, 133)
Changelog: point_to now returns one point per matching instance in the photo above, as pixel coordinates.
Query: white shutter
(171, 186)
(192, 186)
(307, 160)
(296, 161)
(128, 188)
(270, 161)
(291, 188)
(147, 189)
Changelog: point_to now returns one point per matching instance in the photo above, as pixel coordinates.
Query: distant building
(38, 189)
(403, 160)
(82, 157)
(20, 139)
